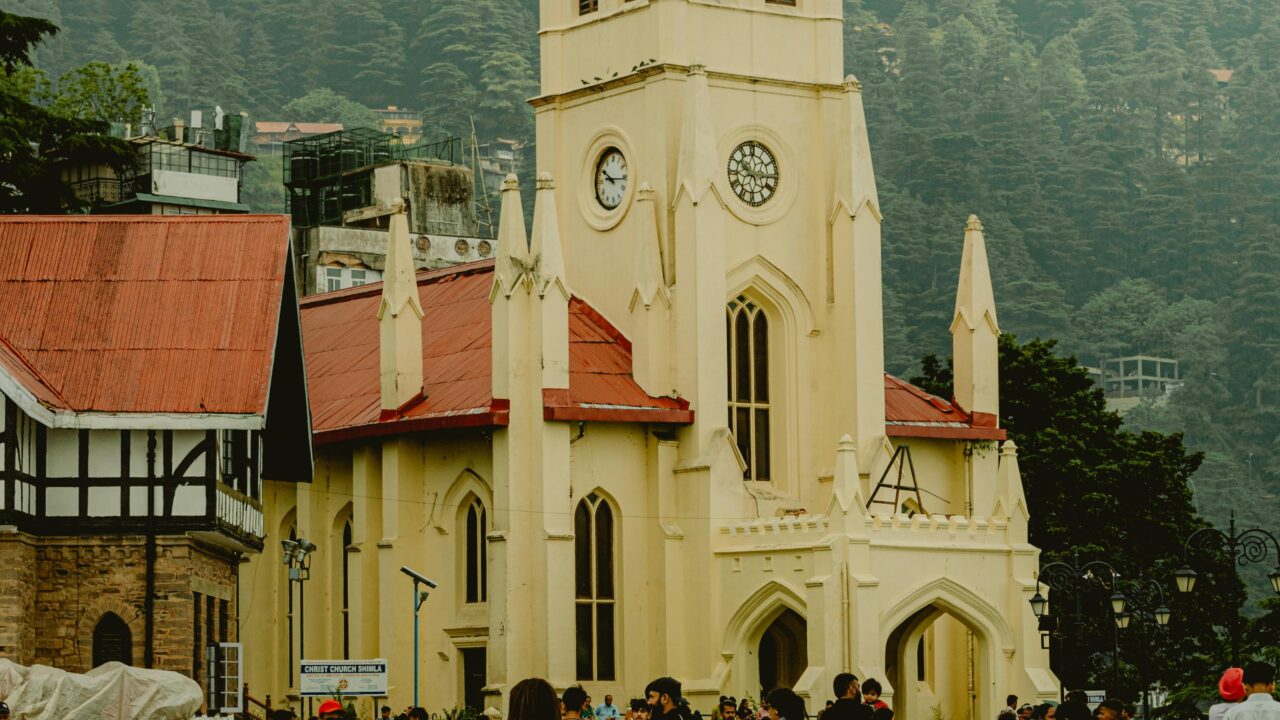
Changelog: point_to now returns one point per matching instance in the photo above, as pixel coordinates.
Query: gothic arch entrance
(783, 651)
(939, 659)
(112, 640)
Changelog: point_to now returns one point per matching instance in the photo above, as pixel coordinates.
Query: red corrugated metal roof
(341, 338)
(911, 412)
(142, 314)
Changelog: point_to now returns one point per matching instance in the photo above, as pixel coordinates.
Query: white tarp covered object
(109, 692)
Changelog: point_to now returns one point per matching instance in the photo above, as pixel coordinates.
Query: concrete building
(182, 169)
(341, 187)
(654, 436)
(404, 123)
(151, 378)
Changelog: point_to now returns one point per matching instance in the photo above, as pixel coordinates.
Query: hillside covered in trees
(1123, 155)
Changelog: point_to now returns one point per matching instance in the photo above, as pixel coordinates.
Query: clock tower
(718, 205)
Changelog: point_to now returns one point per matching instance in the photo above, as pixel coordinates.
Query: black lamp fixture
(1163, 614)
(1038, 603)
(1186, 579)
(1117, 603)
(1275, 580)
(1122, 620)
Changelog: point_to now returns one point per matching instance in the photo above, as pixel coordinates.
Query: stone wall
(53, 592)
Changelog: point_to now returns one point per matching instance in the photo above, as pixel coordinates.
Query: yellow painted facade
(722, 583)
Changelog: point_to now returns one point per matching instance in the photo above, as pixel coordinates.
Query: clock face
(753, 173)
(611, 178)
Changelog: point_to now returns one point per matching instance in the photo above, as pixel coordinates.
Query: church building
(654, 435)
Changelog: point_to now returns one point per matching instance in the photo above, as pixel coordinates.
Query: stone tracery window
(747, 338)
(595, 603)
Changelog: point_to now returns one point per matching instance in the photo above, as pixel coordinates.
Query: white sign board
(327, 678)
(1095, 698)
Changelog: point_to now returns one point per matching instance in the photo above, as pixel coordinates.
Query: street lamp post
(1147, 593)
(297, 557)
(1073, 577)
(419, 597)
(1252, 545)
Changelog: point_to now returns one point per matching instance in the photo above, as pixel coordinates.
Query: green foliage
(462, 712)
(1098, 491)
(99, 91)
(325, 105)
(36, 143)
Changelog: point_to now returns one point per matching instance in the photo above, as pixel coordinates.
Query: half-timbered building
(151, 377)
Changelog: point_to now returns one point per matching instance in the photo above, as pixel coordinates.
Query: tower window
(593, 588)
(477, 553)
(588, 6)
(747, 335)
(792, 3)
(347, 540)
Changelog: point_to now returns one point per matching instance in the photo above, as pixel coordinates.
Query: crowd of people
(1247, 694)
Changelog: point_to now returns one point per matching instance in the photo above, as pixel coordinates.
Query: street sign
(329, 678)
(1095, 698)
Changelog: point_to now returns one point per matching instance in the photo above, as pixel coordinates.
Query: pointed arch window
(477, 554)
(595, 603)
(293, 535)
(112, 640)
(747, 336)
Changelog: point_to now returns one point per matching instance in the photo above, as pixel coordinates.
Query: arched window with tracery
(595, 603)
(112, 640)
(477, 554)
(747, 335)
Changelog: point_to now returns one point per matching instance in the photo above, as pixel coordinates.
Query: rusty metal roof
(911, 412)
(341, 340)
(142, 314)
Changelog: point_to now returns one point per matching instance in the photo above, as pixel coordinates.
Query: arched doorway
(784, 651)
(112, 640)
(938, 660)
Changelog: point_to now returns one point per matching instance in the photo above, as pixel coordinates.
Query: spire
(974, 297)
(650, 302)
(400, 317)
(846, 485)
(646, 264)
(975, 332)
(856, 184)
(546, 251)
(699, 161)
(513, 259)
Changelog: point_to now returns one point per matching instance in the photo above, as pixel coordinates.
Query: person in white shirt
(607, 711)
(1260, 684)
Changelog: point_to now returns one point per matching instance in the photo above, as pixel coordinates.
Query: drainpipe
(846, 642)
(149, 603)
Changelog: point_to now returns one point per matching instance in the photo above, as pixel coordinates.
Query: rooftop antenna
(477, 176)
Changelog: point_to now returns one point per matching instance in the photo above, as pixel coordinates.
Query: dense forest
(1121, 153)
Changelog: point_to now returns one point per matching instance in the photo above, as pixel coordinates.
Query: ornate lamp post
(1074, 578)
(1252, 545)
(297, 557)
(1149, 604)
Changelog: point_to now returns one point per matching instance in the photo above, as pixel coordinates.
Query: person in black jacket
(848, 700)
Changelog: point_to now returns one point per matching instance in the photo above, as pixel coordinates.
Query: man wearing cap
(1259, 683)
(332, 710)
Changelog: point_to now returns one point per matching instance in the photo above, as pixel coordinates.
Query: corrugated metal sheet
(341, 338)
(906, 403)
(143, 314)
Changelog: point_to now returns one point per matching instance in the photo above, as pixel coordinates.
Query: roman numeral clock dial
(753, 173)
(611, 178)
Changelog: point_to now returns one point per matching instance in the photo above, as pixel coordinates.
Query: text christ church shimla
(651, 439)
